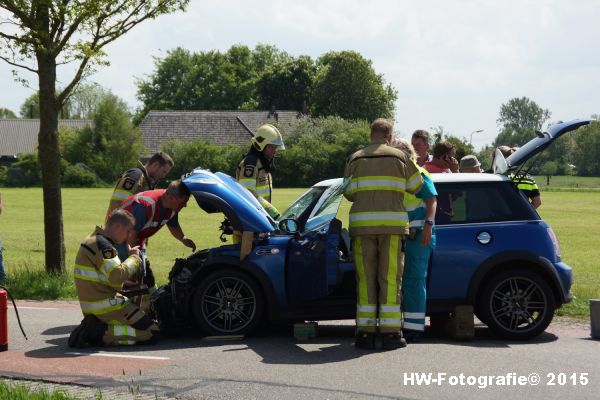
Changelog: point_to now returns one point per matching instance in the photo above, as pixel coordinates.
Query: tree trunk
(49, 156)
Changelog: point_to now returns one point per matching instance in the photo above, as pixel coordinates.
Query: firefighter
(141, 178)
(379, 177)
(419, 246)
(109, 317)
(254, 171)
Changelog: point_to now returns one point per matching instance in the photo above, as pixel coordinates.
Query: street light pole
(471, 138)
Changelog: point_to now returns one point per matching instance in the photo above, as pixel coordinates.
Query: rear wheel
(227, 302)
(517, 305)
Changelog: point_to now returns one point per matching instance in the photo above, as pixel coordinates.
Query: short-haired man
(140, 178)
(155, 208)
(469, 163)
(109, 317)
(420, 142)
(379, 177)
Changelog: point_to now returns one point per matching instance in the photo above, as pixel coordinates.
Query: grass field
(574, 216)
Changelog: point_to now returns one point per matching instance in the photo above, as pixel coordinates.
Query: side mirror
(288, 225)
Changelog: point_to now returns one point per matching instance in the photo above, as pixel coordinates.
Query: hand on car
(189, 243)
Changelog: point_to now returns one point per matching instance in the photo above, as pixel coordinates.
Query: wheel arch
(501, 261)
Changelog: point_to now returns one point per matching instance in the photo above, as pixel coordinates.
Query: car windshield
(327, 207)
(303, 204)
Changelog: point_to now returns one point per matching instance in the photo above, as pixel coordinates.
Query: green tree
(6, 113)
(111, 145)
(48, 33)
(286, 85)
(518, 120)
(587, 149)
(346, 85)
(207, 80)
(79, 105)
(31, 106)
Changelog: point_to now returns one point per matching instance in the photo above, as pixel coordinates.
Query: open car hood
(218, 192)
(502, 165)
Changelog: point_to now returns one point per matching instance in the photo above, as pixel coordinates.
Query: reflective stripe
(390, 321)
(262, 191)
(109, 264)
(152, 203)
(414, 182)
(86, 273)
(120, 195)
(102, 306)
(390, 308)
(123, 330)
(366, 321)
(366, 308)
(131, 263)
(392, 284)
(417, 223)
(361, 219)
(415, 315)
(376, 183)
(413, 326)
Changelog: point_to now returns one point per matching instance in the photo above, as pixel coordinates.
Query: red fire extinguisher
(4, 293)
(3, 320)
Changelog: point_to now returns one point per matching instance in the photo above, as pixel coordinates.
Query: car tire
(227, 302)
(517, 304)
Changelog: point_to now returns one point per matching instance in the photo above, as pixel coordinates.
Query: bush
(79, 176)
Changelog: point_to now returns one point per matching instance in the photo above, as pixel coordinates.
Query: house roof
(21, 135)
(218, 127)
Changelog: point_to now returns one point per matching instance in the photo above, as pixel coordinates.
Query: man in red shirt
(444, 160)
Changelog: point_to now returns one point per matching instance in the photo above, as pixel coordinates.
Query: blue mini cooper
(494, 253)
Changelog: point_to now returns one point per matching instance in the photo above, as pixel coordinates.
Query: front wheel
(517, 305)
(227, 302)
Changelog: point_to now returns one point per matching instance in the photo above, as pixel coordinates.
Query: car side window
(480, 202)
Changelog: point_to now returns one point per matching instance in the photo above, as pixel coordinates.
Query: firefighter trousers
(379, 261)
(133, 327)
(414, 281)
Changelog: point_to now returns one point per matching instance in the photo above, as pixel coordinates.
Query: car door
(312, 261)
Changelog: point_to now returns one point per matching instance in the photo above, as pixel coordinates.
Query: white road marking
(117, 355)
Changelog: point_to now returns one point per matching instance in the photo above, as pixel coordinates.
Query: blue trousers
(414, 280)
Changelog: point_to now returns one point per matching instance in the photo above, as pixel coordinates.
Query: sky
(453, 63)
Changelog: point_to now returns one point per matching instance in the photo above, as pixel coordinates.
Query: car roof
(467, 177)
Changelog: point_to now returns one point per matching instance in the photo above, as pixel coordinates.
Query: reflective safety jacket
(156, 216)
(415, 204)
(526, 184)
(134, 180)
(380, 176)
(99, 274)
(254, 173)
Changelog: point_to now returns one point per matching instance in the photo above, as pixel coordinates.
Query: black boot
(365, 340)
(90, 331)
(392, 341)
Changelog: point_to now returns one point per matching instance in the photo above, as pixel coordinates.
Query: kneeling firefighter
(109, 317)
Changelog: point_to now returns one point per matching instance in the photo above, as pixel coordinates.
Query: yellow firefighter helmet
(267, 134)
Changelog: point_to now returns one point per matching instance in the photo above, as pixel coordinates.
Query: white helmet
(267, 134)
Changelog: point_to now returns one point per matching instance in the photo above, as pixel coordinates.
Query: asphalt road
(273, 365)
